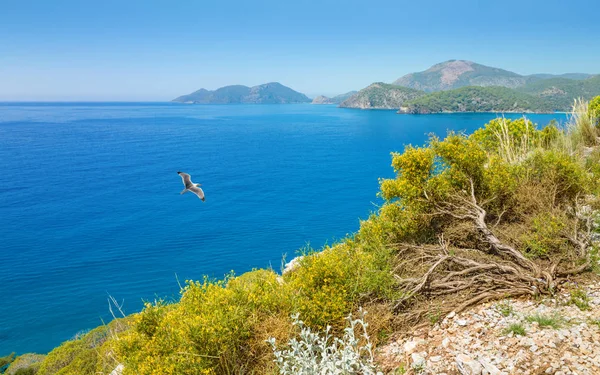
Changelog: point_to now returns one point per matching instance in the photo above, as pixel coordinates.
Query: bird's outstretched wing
(186, 178)
(196, 190)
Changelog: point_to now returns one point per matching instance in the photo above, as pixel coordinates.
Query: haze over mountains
(441, 88)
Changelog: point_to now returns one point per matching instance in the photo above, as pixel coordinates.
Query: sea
(90, 204)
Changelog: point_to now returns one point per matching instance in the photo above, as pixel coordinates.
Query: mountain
(321, 99)
(453, 74)
(576, 76)
(381, 96)
(268, 93)
(558, 91)
(477, 99)
(561, 92)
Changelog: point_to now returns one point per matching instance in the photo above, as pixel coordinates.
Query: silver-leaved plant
(316, 354)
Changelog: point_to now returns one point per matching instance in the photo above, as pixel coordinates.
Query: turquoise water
(90, 204)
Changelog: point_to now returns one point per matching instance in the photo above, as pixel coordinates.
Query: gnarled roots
(493, 270)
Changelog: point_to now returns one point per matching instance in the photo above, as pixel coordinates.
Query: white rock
(467, 365)
(488, 367)
(118, 370)
(410, 347)
(445, 342)
(417, 360)
(436, 358)
(451, 315)
(292, 264)
(461, 322)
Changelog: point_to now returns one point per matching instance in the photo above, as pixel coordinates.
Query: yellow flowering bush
(329, 284)
(80, 356)
(594, 110)
(206, 331)
(516, 132)
(559, 170)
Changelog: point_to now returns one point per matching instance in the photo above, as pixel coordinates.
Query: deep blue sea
(90, 203)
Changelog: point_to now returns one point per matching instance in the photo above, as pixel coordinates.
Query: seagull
(190, 186)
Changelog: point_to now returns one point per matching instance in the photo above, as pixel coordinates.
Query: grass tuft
(505, 308)
(582, 130)
(515, 329)
(554, 321)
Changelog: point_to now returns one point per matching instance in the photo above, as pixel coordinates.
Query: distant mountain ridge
(419, 92)
(453, 74)
(321, 99)
(575, 76)
(268, 93)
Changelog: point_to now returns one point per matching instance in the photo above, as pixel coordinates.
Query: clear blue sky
(156, 50)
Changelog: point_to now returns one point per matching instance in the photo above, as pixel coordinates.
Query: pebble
(467, 365)
(417, 360)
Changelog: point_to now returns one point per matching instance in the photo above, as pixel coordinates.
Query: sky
(80, 50)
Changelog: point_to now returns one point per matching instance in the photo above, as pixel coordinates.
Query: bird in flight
(190, 186)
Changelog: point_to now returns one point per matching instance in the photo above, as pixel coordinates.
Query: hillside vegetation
(509, 210)
(549, 95)
(476, 99)
(559, 93)
(381, 96)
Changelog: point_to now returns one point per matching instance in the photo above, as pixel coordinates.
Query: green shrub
(594, 110)
(550, 134)
(579, 298)
(559, 171)
(149, 321)
(546, 235)
(26, 364)
(511, 139)
(82, 355)
(328, 285)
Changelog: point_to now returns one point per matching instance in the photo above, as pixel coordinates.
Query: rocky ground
(560, 336)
